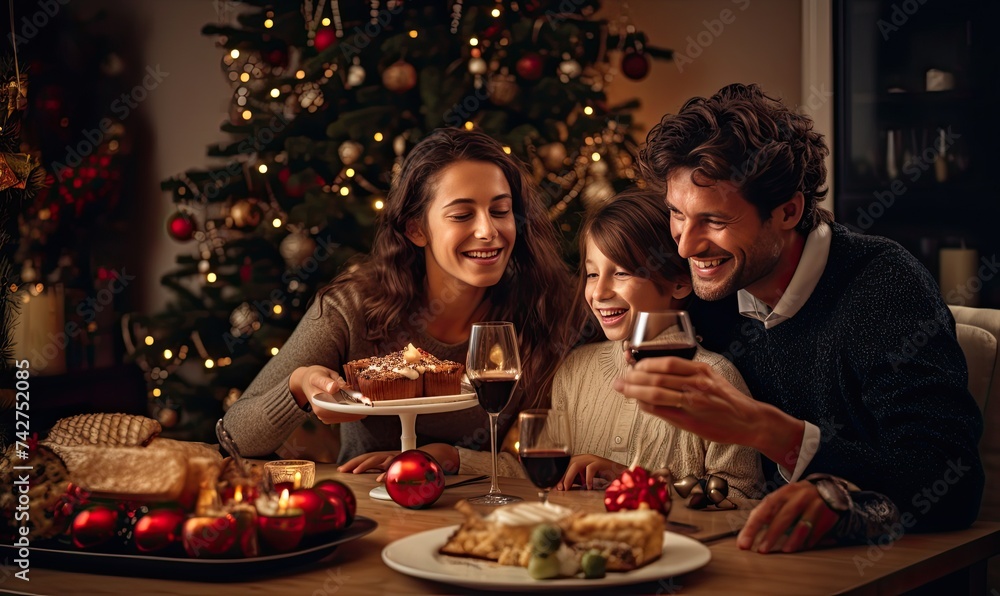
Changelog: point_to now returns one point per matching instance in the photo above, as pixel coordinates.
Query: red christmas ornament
(635, 65)
(414, 479)
(324, 512)
(180, 226)
(529, 67)
(158, 530)
(634, 488)
(325, 38)
(341, 491)
(246, 270)
(277, 57)
(493, 30)
(94, 526)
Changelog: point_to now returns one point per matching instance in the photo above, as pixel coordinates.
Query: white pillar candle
(960, 283)
(40, 334)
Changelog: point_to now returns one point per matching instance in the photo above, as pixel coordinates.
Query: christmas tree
(328, 98)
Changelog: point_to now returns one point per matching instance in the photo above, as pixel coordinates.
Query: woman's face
(615, 295)
(468, 232)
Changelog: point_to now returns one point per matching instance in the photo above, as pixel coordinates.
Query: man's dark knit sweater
(872, 360)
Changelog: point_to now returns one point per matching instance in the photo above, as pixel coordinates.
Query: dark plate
(312, 549)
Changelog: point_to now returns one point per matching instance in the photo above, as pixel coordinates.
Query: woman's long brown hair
(534, 292)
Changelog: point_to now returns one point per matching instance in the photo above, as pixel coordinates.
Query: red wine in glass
(494, 391)
(658, 351)
(545, 467)
(662, 333)
(493, 366)
(544, 445)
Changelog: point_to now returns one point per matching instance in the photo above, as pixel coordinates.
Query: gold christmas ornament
(245, 214)
(350, 152)
(296, 249)
(553, 156)
(597, 192)
(570, 68)
(502, 89)
(167, 417)
(400, 77)
(355, 75)
(242, 320)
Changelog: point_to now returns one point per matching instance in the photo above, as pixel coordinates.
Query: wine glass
(662, 333)
(544, 447)
(494, 368)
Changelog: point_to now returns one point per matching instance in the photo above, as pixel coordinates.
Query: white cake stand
(407, 418)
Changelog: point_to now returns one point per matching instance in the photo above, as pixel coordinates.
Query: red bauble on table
(94, 526)
(180, 226)
(325, 38)
(635, 65)
(637, 487)
(345, 494)
(323, 512)
(414, 479)
(530, 66)
(158, 530)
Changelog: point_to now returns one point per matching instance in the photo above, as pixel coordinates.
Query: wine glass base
(379, 493)
(494, 499)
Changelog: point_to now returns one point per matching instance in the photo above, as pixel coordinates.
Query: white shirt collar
(810, 268)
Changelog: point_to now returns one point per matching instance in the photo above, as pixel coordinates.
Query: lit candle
(211, 531)
(281, 527)
(299, 473)
(246, 526)
(211, 535)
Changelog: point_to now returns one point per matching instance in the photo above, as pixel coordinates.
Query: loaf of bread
(120, 456)
(126, 472)
(116, 430)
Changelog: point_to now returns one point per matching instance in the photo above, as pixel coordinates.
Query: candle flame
(238, 494)
(298, 480)
(283, 502)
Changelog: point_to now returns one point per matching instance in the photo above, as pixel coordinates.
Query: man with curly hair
(865, 437)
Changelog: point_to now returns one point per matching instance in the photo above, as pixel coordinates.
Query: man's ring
(807, 523)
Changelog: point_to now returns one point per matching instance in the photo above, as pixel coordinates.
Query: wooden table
(357, 567)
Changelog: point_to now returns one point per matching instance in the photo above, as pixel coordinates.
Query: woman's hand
(376, 461)
(445, 454)
(588, 467)
(791, 519)
(308, 381)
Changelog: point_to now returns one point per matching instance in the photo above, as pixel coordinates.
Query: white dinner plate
(417, 555)
(447, 403)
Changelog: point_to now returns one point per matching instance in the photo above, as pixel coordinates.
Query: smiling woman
(463, 238)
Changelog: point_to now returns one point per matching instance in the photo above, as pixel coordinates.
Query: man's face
(721, 235)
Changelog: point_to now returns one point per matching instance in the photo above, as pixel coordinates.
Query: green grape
(593, 564)
(545, 539)
(543, 567)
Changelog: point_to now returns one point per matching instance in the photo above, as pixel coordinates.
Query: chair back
(978, 331)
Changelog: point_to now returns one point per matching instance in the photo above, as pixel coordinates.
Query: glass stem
(493, 450)
(544, 495)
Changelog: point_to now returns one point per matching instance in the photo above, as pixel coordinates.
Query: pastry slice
(627, 539)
